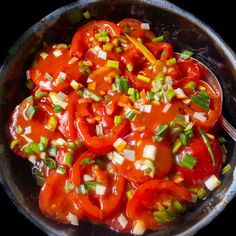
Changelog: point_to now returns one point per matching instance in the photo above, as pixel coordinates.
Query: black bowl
(183, 30)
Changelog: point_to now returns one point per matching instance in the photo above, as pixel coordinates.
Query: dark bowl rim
(165, 5)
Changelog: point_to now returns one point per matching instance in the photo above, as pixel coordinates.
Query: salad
(119, 128)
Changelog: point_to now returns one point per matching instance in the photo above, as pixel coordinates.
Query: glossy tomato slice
(97, 207)
(204, 167)
(54, 71)
(144, 200)
(163, 160)
(55, 202)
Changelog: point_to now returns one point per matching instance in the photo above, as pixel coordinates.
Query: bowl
(184, 31)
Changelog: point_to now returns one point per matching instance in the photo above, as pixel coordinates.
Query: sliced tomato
(97, 207)
(19, 123)
(103, 143)
(204, 167)
(163, 160)
(55, 202)
(144, 200)
(54, 73)
(84, 37)
(134, 28)
(212, 115)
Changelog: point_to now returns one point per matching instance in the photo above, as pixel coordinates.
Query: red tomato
(46, 72)
(84, 36)
(98, 207)
(163, 161)
(143, 202)
(135, 29)
(103, 143)
(204, 167)
(37, 124)
(212, 115)
(54, 202)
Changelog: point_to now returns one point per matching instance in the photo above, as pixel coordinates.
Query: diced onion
(212, 182)
(145, 165)
(96, 49)
(146, 108)
(62, 76)
(88, 178)
(57, 53)
(122, 220)
(129, 154)
(117, 159)
(100, 189)
(149, 152)
(119, 144)
(102, 55)
(199, 116)
(180, 93)
(58, 99)
(139, 228)
(166, 108)
(28, 130)
(72, 219)
(145, 26)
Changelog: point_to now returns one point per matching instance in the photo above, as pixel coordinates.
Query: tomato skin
(142, 203)
(163, 162)
(53, 66)
(204, 167)
(104, 143)
(54, 202)
(81, 39)
(107, 204)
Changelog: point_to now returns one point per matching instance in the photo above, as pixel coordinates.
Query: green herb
(117, 120)
(104, 39)
(171, 61)
(179, 207)
(202, 99)
(68, 159)
(27, 149)
(188, 161)
(171, 94)
(31, 111)
(184, 139)
(163, 216)
(91, 185)
(186, 54)
(50, 163)
(101, 34)
(226, 169)
(86, 161)
(39, 94)
(160, 132)
(191, 85)
(35, 148)
(150, 95)
(113, 64)
(69, 187)
(143, 78)
(176, 146)
(57, 108)
(158, 39)
(61, 170)
(208, 145)
(130, 115)
(39, 178)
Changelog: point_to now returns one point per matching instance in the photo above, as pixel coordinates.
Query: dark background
(16, 17)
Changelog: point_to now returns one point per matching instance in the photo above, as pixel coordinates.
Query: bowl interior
(182, 30)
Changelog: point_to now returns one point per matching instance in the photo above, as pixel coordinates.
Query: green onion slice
(188, 161)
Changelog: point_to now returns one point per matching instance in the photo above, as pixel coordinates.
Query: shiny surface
(229, 100)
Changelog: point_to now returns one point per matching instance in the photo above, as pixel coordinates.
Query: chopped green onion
(69, 187)
(14, 143)
(226, 169)
(202, 193)
(117, 120)
(27, 149)
(184, 139)
(206, 141)
(186, 54)
(113, 64)
(91, 185)
(171, 61)
(99, 163)
(39, 94)
(143, 78)
(222, 140)
(87, 15)
(188, 130)
(160, 76)
(130, 67)
(150, 95)
(78, 143)
(48, 76)
(71, 145)
(44, 141)
(68, 159)
(31, 110)
(52, 123)
(130, 115)
(35, 148)
(19, 130)
(52, 151)
(162, 216)
(119, 49)
(160, 132)
(158, 39)
(127, 30)
(104, 39)
(57, 108)
(107, 47)
(191, 85)
(188, 161)
(121, 84)
(101, 34)
(95, 97)
(179, 207)
(170, 93)
(61, 170)
(50, 163)
(202, 99)
(176, 146)
(131, 91)
(29, 84)
(86, 161)
(39, 178)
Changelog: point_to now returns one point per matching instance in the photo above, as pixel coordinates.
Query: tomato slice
(97, 207)
(55, 202)
(19, 124)
(212, 115)
(103, 143)
(204, 167)
(135, 30)
(54, 73)
(163, 161)
(84, 36)
(145, 198)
